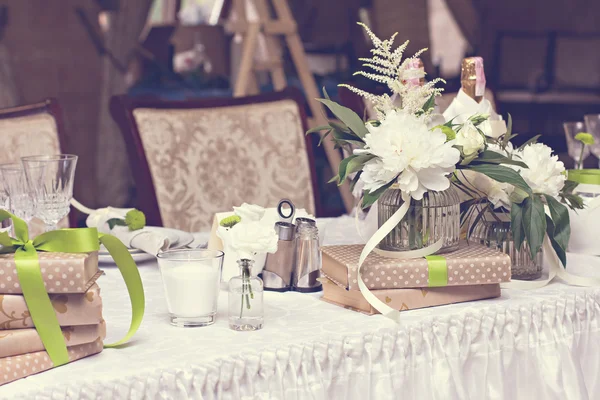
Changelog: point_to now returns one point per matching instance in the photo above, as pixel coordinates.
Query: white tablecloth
(542, 344)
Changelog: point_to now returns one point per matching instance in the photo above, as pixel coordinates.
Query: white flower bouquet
(404, 148)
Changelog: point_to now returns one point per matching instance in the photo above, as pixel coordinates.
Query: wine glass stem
(51, 227)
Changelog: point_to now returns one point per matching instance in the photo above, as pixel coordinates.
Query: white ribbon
(371, 245)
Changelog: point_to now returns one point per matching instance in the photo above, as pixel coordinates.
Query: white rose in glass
(470, 139)
(249, 212)
(250, 238)
(545, 172)
(406, 149)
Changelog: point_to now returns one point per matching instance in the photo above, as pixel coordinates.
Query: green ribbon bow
(80, 240)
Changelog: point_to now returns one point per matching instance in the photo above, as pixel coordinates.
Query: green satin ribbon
(438, 271)
(80, 240)
(584, 176)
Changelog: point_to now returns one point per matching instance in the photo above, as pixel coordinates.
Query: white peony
(545, 172)
(405, 149)
(250, 238)
(470, 139)
(249, 212)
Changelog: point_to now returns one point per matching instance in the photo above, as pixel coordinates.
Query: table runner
(539, 344)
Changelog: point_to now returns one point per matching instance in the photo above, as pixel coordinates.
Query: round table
(526, 344)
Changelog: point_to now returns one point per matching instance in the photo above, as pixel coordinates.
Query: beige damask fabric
(205, 161)
(26, 136)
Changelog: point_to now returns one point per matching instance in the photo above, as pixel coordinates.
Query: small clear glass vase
(495, 232)
(246, 299)
(435, 217)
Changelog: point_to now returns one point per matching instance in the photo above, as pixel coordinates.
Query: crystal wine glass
(575, 147)
(19, 195)
(592, 123)
(50, 179)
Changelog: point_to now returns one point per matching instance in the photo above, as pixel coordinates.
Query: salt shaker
(277, 274)
(307, 259)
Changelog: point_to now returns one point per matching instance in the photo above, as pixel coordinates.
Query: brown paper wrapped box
(407, 299)
(23, 341)
(17, 367)
(71, 309)
(62, 272)
(471, 264)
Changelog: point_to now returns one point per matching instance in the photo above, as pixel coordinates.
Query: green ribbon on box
(438, 271)
(584, 176)
(79, 240)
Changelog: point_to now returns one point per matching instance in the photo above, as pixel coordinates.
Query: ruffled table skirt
(543, 344)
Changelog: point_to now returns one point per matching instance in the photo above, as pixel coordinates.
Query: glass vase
(495, 232)
(246, 299)
(435, 217)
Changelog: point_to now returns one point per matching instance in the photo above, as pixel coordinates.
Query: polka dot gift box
(471, 264)
(62, 272)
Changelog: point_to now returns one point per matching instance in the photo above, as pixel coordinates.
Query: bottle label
(479, 77)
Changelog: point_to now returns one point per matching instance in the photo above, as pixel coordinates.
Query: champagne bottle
(472, 78)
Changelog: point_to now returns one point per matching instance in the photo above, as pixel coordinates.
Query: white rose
(470, 139)
(497, 193)
(251, 238)
(249, 212)
(545, 172)
(98, 218)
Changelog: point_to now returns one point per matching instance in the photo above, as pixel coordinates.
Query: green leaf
(575, 202)
(323, 136)
(325, 93)
(355, 180)
(530, 141)
(560, 252)
(317, 129)
(371, 197)
(508, 133)
(534, 223)
(492, 157)
(569, 186)
(347, 116)
(115, 222)
(516, 225)
(352, 164)
(340, 127)
(560, 218)
(517, 195)
(502, 174)
(429, 104)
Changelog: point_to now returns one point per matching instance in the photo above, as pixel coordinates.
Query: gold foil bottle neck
(472, 77)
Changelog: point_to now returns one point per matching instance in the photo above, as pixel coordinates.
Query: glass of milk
(191, 281)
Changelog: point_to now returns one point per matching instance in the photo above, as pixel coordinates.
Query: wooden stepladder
(271, 28)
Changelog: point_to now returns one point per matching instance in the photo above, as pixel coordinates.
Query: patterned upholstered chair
(191, 159)
(30, 130)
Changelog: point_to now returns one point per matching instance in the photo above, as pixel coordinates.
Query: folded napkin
(23, 341)
(463, 107)
(144, 239)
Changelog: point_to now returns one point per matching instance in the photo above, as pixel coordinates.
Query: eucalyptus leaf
(347, 116)
(318, 129)
(534, 223)
(560, 218)
(516, 225)
(355, 163)
(501, 174)
(560, 252)
(492, 157)
(371, 197)
(530, 141)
